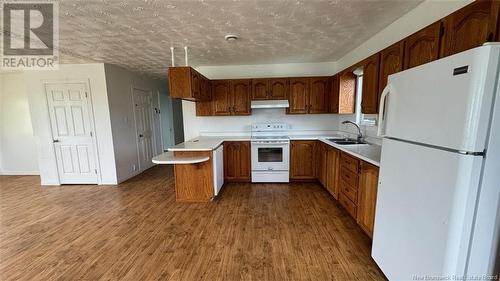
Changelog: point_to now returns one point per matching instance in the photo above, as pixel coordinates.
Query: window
(359, 95)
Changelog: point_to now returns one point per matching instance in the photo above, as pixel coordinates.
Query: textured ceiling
(137, 34)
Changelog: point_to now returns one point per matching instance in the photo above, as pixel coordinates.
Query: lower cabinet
(353, 182)
(367, 196)
(237, 161)
(302, 160)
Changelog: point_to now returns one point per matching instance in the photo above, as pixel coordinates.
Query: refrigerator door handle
(381, 115)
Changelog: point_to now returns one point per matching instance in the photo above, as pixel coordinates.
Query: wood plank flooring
(137, 231)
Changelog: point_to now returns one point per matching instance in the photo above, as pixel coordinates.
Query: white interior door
(144, 127)
(70, 118)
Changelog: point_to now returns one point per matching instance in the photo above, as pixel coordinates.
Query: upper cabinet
(469, 27)
(347, 92)
(269, 89)
(240, 97)
(369, 100)
(391, 61)
(318, 95)
(221, 92)
(299, 96)
(333, 99)
(186, 83)
(309, 95)
(422, 47)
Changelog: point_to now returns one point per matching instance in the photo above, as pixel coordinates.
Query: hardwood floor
(137, 231)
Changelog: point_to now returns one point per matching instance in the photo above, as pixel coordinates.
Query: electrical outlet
(134, 167)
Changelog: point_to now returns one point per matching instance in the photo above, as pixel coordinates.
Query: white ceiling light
(231, 37)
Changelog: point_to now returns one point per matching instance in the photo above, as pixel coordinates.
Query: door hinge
(86, 95)
(95, 171)
(91, 134)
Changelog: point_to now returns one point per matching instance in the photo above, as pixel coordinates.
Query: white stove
(270, 152)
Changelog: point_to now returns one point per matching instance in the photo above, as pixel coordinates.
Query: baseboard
(20, 173)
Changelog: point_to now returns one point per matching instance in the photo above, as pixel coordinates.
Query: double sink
(346, 141)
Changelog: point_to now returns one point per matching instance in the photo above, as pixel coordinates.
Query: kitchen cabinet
(185, 83)
(240, 97)
(237, 165)
(298, 96)
(349, 183)
(369, 100)
(469, 27)
(309, 95)
(269, 89)
(423, 46)
(302, 160)
(367, 196)
(332, 171)
(347, 92)
(205, 108)
(194, 182)
(391, 61)
(333, 99)
(318, 95)
(221, 92)
(322, 162)
(231, 97)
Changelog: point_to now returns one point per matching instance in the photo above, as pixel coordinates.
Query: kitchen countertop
(169, 158)
(366, 152)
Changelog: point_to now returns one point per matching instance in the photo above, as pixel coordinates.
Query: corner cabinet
(237, 161)
(470, 27)
(302, 160)
(367, 196)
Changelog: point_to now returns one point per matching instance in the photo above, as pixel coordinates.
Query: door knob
(141, 135)
(54, 141)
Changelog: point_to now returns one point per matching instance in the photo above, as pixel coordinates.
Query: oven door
(270, 156)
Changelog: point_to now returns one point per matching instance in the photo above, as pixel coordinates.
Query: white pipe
(186, 55)
(172, 56)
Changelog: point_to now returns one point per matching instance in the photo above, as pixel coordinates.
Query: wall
(178, 121)
(167, 122)
(93, 76)
(120, 84)
(18, 154)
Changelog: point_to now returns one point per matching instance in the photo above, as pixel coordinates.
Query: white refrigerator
(437, 212)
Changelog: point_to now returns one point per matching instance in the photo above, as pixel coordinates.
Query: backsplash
(370, 132)
(222, 125)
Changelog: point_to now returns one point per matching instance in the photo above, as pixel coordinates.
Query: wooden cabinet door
(220, 96)
(302, 160)
(423, 46)
(347, 92)
(322, 157)
(278, 89)
(237, 161)
(260, 89)
(298, 96)
(391, 61)
(367, 196)
(196, 85)
(205, 108)
(369, 100)
(244, 173)
(240, 97)
(332, 171)
(333, 99)
(318, 95)
(469, 27)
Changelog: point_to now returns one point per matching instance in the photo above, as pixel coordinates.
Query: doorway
(143, 106)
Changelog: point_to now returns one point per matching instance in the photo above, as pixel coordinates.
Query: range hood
(270, 104)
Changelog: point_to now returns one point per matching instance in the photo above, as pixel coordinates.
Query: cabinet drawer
(349, 162)
(349, 191)
(347, 204)
(349, 177)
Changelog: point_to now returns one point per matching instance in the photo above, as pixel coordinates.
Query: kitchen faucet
(360, 135)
